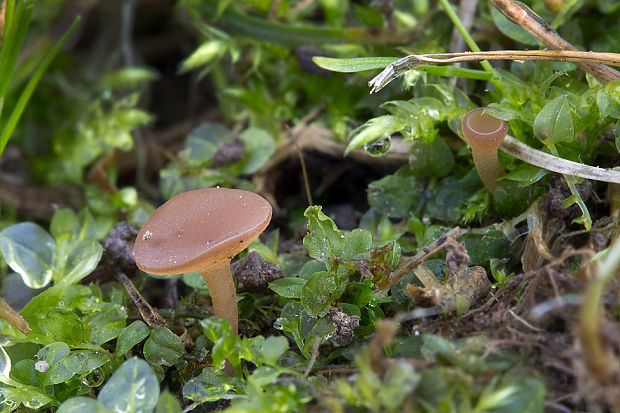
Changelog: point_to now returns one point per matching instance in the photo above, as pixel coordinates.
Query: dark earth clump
(118, 247)
(254, 273)
(228, 153)
(558, 191)
(344, 324)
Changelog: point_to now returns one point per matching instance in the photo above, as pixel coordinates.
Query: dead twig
(302, 162)
(10, 315)
(591, 59)
(149, 314)
(2, 17)
(410, 263)
(523, 16)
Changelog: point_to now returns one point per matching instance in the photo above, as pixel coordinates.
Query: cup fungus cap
(196, 230)
(484, 133)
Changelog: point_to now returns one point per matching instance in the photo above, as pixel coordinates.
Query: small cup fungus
(201, 231)
(484, 133)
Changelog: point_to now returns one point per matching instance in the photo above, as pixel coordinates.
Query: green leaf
(28, 249)
(58, 297)
(607, 106)
(82, 362)
(526, 174)
(5, 364)
(64, 221)
(132, 388)
(264, 376)
(554, 123)
(318, 293)
(510, 199)
(81, 404)
(64, 325)
(356, 242)
(613, 90)
(53, 354)
(167, 403)
(24, 372)
(529, 395)
(273, 348)
(259, 147)
(447, 198)
(493, 244)
(357, 64)
(303, 328)
(289, 287)
(374, 130)
(225, 344)
(129, 77)
(130, 336)
(205, 54)
(163, 347)
(82, 259)
(324, 242)
(512, 30)
(399, 382)
(395, 195)
(433, 159)
(210, 385)
(31, 397)
(104, 325)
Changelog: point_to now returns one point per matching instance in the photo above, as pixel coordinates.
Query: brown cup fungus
(484, 133)
(201, 231)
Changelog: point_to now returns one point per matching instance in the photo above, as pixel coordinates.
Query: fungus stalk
(223, 294)
(484, 134)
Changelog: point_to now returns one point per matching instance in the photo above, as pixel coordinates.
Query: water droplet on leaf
(378, 148)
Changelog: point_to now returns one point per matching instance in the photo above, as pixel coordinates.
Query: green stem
(575, 198)
(468, 39)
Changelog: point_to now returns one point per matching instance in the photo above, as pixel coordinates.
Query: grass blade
(11, 123)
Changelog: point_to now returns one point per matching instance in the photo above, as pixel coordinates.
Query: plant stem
(552, 163)
(596, 358)
(463, 31)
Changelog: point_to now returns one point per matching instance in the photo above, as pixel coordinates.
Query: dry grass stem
(10, 315)
(395, 69)
(408, 264)
(521, 151)
(523, 16)
(149, 314)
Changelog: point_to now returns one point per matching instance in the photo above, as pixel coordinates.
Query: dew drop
(378, 148)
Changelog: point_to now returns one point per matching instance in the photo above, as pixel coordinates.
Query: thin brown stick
(149, 314)
(10, 315)
(408, 264)
(395, 69)
(523, 16)
(2, 15)
(302, 162)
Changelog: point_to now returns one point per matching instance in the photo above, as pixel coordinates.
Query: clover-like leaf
(132, 388)
(163, 347)
(28, 249)
(554, 123)
(318, 293)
